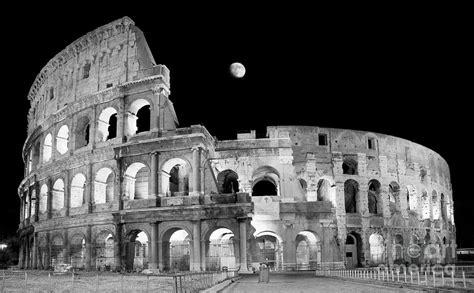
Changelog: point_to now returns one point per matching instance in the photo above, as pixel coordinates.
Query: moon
(237, 70)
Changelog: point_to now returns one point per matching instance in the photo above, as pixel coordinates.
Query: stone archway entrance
(269, 250)
(137, 251)
(221, 251)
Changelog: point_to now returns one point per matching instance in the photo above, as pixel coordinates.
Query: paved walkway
(304, 283)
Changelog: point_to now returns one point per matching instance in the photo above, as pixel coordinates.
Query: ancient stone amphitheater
(111, 182)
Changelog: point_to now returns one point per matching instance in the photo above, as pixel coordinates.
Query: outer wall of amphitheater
(111, 182)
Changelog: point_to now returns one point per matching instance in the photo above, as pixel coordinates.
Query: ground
(304, 283)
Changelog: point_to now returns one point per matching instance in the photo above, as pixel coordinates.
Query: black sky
(405, 74)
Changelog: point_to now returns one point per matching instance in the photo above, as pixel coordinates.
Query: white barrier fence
(454, 277)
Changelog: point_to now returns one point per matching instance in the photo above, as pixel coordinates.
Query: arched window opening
(353, 250)
(43, 199)
(175, 177)
(228, 182)
(143, 119)
(443, 207)
(62, 139)
(179, 250)
(104, 186)
(104, 251)
(270, 250)
(58, 195)
(82, 132)
(78, 251)
(303, 184)
(33, 202)
(351, 190)
(47, 147)
(308, 252)
(77, 190)
(435, 205)
(425, 204)
(221, 252)
(34, 156)
(264, 187)
(57, 251)
(137, 252)
(375, 204)
(107, 124)
(394, 196)
(265, 181)
(136, 177)
(323, 190)
(138, 117)
(377, 249)
(349, 166)
(397, 248)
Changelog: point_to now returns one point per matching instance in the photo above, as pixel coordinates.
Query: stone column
(161, 255)
(243, 244)
(35, 251)
(155, 109)
(196, 261)
(153, 186)
(89, 189)
(67, 192)
(93, 128)
(47, 259)
(27, 252)
(66, 247)
(196, 170)
(121, 119)
(118, 184)
(153, 263)
(49, 199)
(37, 201)
(118, 247)
(88, 248)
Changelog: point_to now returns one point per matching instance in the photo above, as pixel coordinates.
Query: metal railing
(438, 276)
(45, 281)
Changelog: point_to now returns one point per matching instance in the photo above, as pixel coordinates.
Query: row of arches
(436, 207)
(137, 120)
(414, 252)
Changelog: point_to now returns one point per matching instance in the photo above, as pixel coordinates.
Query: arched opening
(221, 250)
(351, 192)
(33, 203)
(353, 250)
(397, 249)
(34, 156)
(43, 199)
(78, 251)
(435, 205)
(82, 132)
(175, 177)
(228, 182)
(303, 185)
(62, 139)
(377, 249)
(443, 208)
(104, 251)
(266, 180)
(176, 250)
(47, 147)
(137, 251)
(308, 252)
(107, 124)
(373, 194)
(349, 166)
(323, 190)
(58, 195)
(57, 252)
(136, 181)
(269, 250)
(138, 117)
(425, 205)
(394, 196)
(104, 186)
(77, 190)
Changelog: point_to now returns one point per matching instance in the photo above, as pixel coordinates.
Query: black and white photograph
(236, 148)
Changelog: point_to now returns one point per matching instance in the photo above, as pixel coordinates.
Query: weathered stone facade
(111, 182)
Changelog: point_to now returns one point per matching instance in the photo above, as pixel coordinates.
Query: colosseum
(112, 183)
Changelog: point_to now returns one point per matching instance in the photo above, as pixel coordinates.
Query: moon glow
(237, 70)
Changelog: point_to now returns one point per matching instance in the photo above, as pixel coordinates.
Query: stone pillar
(88, 256)
(66, 247)
(27, 252)
(118, 247)
(35, 251)
(47, 259)
(161, 255)
(153, 262)
(243, 244)
(130, 123)
(89, 189)
(153, 186)
(118, 187)
(67, 192)
(37, 201)
(155, 109)
(49, 204)
(121, 120)
(196, 260)
(93, 128)
(204, 248)
(196, 171)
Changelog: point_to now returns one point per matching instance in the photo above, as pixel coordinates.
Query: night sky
(404, 74)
